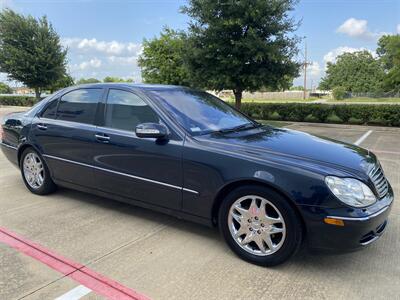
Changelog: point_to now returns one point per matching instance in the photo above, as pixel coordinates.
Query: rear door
(143, 169)
(65, 134)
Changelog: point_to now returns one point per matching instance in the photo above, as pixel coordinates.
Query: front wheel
(260, 225)
(35, 173)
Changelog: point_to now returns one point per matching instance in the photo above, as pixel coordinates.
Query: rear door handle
(102, 137)
(42, 126)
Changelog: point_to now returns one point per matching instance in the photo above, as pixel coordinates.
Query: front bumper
(361, 226)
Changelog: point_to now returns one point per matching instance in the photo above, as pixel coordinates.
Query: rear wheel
(35, 173)
(260, 226)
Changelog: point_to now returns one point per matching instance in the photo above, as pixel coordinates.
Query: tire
(249, 237)
(31, 164)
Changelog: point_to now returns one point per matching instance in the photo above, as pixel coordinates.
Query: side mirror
(151, 130)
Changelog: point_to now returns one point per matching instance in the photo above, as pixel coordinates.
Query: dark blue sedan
(186, 153)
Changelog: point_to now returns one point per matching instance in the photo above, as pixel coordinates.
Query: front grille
(379, 180)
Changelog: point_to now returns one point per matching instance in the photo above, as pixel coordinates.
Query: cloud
(331, 55)
(315, 69)
(111, 47)
(398, 28)
(358, 28)
(6, 4)
(123, 60)
(93, 63)
(90, 57)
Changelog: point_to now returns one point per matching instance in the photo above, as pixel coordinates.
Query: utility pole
(305, 70)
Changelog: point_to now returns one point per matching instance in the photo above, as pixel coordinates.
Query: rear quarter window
(50, 112)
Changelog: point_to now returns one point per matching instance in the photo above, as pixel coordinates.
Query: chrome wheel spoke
(241, 231)
(275, 230)
(268, 241)
(260, 244)
(247, 239)
(271, 220)
(253, 206)
(243, 212)
(39, 179)
(237, 218)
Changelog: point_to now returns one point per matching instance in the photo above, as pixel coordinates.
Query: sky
(104, 37)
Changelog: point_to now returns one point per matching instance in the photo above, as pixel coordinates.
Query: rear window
(79, 105)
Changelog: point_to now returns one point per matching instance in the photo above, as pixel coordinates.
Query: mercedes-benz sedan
(186, 153)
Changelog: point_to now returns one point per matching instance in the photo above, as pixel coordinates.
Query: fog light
(334, 222)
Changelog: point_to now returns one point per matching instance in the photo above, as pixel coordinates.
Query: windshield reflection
(200, 112)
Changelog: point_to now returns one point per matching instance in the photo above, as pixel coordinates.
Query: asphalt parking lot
(166, 258)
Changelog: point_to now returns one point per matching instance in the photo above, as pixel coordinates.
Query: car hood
(294, 145)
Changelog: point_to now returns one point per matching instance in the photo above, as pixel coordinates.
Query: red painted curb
(85, 276)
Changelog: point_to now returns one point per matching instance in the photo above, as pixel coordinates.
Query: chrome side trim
(360, 218)
(190, 191)
(8, 146)
(120, 173)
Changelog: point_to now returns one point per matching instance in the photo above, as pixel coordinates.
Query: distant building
(23, 90)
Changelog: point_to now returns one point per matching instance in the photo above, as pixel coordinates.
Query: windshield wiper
(240, 127)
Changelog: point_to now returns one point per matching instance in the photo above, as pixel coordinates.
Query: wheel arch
(21, 150)
(223, 192)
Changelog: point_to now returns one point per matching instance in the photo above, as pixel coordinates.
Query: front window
(200, 112)
(126, 110)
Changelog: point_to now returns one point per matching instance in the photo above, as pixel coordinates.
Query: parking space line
(75, 293)
(385, 152)
(80, 273)
(363, 137)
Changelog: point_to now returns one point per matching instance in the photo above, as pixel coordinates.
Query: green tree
(30, 50)
(241, 45)
(116, 79)
(5, 89)
(162, 59)
(87, 80)
(65, 81)
(297, 88)
(357, 72)
(389, 55)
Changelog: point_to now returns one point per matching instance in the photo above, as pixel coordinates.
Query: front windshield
(200, 112)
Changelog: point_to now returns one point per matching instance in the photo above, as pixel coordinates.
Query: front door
(143, 169)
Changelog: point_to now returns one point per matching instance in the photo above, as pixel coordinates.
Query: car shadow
(305, 259)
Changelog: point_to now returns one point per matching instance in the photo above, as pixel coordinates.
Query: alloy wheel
(256, 225)
(33, 170)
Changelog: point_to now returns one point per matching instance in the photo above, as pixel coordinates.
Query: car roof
(141, 86)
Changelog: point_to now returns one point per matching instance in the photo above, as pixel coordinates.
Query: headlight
(351, 191)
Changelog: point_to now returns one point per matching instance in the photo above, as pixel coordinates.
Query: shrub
(377, 121)
(275, 116)
(333, 118)
(383, 114)
(339, 93)
(311, 118)
(353, 120)
(14, 100)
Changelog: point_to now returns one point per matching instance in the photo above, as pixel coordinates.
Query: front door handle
(42, 126)
(102, 138)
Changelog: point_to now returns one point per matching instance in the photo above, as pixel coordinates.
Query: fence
(373, 95)
(266, 95)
